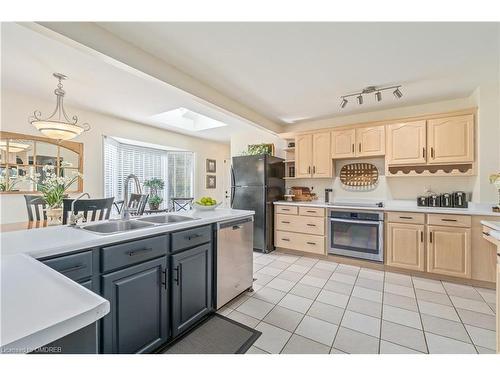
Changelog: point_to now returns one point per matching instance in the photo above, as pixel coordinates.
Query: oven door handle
(373, 222)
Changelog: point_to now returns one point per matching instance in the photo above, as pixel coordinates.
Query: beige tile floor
(306, 305)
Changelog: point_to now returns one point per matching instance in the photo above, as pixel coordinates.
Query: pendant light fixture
(14, 146)
(369, 90)
(58, 125)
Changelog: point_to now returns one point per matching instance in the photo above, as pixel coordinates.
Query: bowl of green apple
(206, 204)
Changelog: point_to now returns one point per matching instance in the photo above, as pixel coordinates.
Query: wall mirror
(22, 155)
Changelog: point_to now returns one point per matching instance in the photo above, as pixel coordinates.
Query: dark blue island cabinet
(138, 318)
(157, 287)
(191, 274)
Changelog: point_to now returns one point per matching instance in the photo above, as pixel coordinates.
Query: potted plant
(155, 186)
(495, 180)
(54, 189)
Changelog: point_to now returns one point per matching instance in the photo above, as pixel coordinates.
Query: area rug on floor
(216, 335)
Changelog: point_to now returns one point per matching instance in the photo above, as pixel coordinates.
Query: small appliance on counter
(303, 194)
(422, 201)
(460, 199)
(457, 199)
(446, 200)
(328, 195)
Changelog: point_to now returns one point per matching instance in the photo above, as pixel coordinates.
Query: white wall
(16, 108)
(486, 98)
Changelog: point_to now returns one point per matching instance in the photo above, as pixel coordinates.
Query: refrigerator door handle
(232, 187)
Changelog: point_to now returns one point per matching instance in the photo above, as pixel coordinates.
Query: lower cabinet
(405, 246)
(449, 251)
(138, 318)
(191, 280)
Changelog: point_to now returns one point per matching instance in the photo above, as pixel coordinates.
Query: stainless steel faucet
(125, 215)
(73, 218)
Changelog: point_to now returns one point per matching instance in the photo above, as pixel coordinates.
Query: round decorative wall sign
(359, 175)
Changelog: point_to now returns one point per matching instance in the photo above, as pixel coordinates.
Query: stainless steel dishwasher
(234, 259)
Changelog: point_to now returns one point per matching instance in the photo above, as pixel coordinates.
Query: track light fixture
(369, 90)
(397, 93)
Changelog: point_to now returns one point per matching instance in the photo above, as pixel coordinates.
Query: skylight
(188, 120)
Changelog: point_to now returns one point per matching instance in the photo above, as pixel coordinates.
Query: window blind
(176, 168)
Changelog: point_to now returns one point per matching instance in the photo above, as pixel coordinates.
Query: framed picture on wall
(211, 182)
(211, 166)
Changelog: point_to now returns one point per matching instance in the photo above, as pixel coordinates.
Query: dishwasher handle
(234, 224)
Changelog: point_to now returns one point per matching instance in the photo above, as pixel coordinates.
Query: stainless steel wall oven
(357, 234)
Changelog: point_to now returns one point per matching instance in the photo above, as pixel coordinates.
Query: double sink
(118, 226)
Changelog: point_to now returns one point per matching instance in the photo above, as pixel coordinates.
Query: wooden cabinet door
(191, 275)
(405, 246)
(343, 143)
(370, 141)
(303, 156)
(450, 140)
(138, 317)
(406, 143)
(322, 157)
(449, 251)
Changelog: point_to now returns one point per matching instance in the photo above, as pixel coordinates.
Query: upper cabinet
(359, 142)
(370, 141)
(322, 160)
(406, 143)
(343, 143)
(312, 156)
(303, 156)
(450, 140)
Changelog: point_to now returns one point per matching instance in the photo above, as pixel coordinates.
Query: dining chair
(35, 204)
(92, 209)
(136, 204)
(182, 204)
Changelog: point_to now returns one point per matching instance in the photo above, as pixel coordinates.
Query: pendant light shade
(378, 96)
(14, 146)
(343, 103)
(58, 125)
(360, 99)
(397, 93)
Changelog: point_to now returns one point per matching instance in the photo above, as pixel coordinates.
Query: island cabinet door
(138, 318)
(191, 280)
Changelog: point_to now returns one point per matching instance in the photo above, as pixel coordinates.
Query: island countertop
(40, 305)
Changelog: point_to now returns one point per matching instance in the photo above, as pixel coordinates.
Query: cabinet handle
(432, 152)
(486, 234)
(133, 253)
(406, 217)
(360, 147)
(449, 220)
(421, 236)
(423, 152)
(285, 209)
(309, 170)
(312, 212)
(193, 236)
(314, 169)
(311, 243)
(164, 282)
(70, 269)
(178, 274)
(285, 239)
(285, 222)
(430, 237)
(353, 148)
(311, 225)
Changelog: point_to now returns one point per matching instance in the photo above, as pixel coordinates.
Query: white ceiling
(29, 59)
(297, 71)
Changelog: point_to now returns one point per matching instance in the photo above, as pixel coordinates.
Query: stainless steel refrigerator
(257, 181)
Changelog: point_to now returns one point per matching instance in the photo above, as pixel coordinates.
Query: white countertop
(403, 206)
(495, 225)
(40, 305)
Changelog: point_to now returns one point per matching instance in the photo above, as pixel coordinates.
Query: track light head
(359, 99)
(378, 96)
(397, 93)
(343, 103)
